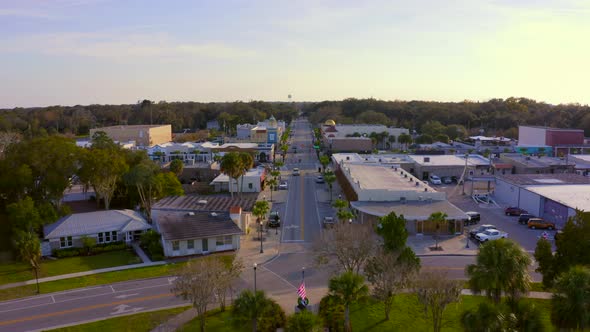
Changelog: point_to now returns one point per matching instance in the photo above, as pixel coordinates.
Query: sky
(68, 52)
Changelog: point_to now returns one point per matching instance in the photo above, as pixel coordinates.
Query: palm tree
(570, 305)
(260, 209)
(246, 163)
(231, 165)
(391, 140)
(249, 307)
(272, 183)
(324, 160)
(349, 288)
(329, 177)
(405, 139)
(501, 266)
(439, 219)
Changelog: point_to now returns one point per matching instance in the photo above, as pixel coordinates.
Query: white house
(198, 233)
(104, 226)
(252, 182)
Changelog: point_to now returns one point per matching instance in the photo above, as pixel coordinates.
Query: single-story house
(198, 233)
(104, 226)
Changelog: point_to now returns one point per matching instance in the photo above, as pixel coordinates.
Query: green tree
(391, 140)
(489, 317)
(439, 219)
(433, 128)
(246, 163)
(168, 185)
(176, 167)
(24, 216)
(102, 169)
(29, 250)
(501, 266)
(330, 177)
(260, 210)
(231, 165)
(304, 321)
(573, 243)
(273, 183)
(332, 313)
(343, 214)
(249, 307)
(405, 139)
(324, 160)
(272, 318)
(546, 262)
(349, 288)
(424, 139)
(393, 230)
(442, 138)
(570, 305)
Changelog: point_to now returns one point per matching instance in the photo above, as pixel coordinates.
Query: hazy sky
(100, 51)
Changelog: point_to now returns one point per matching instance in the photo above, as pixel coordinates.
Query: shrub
(87, 244)
(151, 242)
(332, 312)
(273, 318)
(304, 321)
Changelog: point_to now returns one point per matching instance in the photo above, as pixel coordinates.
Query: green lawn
(91, 280)
(217, 321)
(133, 323)
(407, 314)
(21, 271)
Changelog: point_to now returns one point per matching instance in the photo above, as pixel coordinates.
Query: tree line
(79, 119)
(499, 117)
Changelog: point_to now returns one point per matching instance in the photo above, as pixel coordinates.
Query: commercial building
(554, 197)
(268, 131)
(549, 141)
(448, 165)
(142, 135)
(379, 185)
(334, 131)
(251, 182)
(524, 164)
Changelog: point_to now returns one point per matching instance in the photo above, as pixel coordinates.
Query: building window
(65, 242)
(107, 237)
(100, 237)
(190, 244)
(223, 240)
(175, 245)
(114, 233)
(250, 186)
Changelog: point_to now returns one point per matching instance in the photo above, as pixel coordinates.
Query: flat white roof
(380, 177)
(370, 158)
(576, 196)
(438, 160)
(584, 157)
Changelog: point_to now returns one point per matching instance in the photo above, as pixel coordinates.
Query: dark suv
(524, 218)
(514, 211)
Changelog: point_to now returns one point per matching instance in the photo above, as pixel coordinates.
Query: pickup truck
(490, 234)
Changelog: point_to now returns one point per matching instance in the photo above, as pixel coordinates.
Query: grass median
(20, 271)
(91, 280)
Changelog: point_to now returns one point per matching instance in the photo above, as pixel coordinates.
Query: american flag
(301, 290)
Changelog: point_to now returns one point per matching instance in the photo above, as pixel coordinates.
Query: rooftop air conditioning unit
(213, 214)
(190, 214)
(402, 200)
(202, 201)
(425, 189)
(379, 159)
(347, 158)
(405, 175)
(426, 159)
(417, 183)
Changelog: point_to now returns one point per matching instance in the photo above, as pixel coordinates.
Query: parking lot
(491, 214)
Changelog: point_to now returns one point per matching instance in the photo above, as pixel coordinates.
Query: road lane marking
(47, 296)
(125, 309)
(280, 278)
(302, 218)
(96, 306)
(317, 209)
(83, 297)
(124, 296)
(53, 298)
(113, 289)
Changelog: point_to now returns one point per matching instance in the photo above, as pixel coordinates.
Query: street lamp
(467, 235)
(255, 266)
(350, 221)
(261, 250)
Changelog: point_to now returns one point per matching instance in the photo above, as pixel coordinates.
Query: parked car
(480, 229)
(328, 222)
(295, 172)
(474, 217)
(524, 218)
(434, 179)
(274, 220)
(490, 235)
(283, 185)
(320, 179)
(540, 223)
(514, 211)
(446, 180)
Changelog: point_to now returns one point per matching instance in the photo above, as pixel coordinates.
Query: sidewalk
(452, 245)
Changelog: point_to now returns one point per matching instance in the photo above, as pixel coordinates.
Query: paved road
(300, 214)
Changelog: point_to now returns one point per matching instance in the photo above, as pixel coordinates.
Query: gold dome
(330, 123)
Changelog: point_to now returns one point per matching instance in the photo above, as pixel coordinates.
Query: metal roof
(197, 226)
(79, 224)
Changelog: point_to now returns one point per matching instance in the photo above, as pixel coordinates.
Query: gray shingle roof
(96, 222)
(204, 203)
(199, 225)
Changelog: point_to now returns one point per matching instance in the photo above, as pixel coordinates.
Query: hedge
(97, 249)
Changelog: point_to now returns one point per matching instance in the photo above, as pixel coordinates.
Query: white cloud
(117, 46)
(25, 13)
